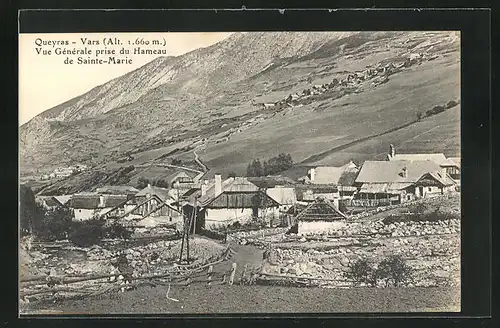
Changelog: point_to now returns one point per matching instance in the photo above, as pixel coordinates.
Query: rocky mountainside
(201, 99)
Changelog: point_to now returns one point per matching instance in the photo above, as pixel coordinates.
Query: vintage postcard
(245, 172)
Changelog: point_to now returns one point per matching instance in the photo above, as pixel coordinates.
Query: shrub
(54, 224)
(176, 161)
(87, 233)
(418, 208)
(394, 270)
(451, 104)
(362, 272)
(161, 183)
(29, 212)
(142, 183)
(116, 230)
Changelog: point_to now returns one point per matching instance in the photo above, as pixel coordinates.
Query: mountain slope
(209, 100)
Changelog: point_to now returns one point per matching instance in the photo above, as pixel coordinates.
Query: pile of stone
(378, 229)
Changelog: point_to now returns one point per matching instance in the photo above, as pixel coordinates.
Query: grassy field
(201, 299)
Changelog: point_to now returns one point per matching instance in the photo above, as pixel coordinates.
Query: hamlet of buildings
(272, 199)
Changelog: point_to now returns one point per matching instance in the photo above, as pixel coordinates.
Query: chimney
(101, 201)
(312, 174)
(218, 185)
(149, 185)
(392, 151)
(204, 188)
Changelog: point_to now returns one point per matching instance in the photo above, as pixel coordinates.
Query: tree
(176, 161)
(232, 174)
(161, 183)
(451, 103)
(142, 183)
(278, 164)
(255, 169)
(55, 224)
(29, 211)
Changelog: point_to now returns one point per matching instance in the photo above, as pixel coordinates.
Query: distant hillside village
(314, 201)
(63, 172)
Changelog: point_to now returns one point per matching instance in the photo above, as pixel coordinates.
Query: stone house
(233, 200)
(396, 181)
(319, 216)
(451, 166)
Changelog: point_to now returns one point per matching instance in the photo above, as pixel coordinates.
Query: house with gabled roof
(49, 202)
(92, 205)
(233, 200)
(320, 215)
(150, 211)
(342, 177)
(451, 166)
(162, 193)
(390, 182)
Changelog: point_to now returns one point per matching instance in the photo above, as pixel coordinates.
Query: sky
(46, 81)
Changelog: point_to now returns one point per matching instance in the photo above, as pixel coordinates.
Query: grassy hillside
(195, 103)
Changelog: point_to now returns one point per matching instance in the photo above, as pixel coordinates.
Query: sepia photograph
(240, 172)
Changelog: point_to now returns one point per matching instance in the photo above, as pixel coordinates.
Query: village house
(180, 182)
(162, 193)
(49, 202)
(451, 166)
(146, 211)
(343, 177)
(279, 188)
(319, 216)
(86, 206)
(232, 200)
(394, 182)
(309, 193)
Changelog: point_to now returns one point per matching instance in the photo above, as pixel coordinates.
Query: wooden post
(187, 237)
(195, 215)
(233, 272)
(183, 235)
(209, 274)
(244, 272)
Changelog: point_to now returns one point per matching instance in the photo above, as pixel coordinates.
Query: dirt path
(242, 255)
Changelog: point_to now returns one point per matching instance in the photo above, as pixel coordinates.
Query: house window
(430, 189)
(79, 211)
(408, 197)
(170, 219)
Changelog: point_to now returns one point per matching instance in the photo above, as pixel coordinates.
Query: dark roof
(321, 209)
(114, 200)
(237, 184)
(162, 193)
(241, 199)
(348, 178)
(85, 201)
(92, 201)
